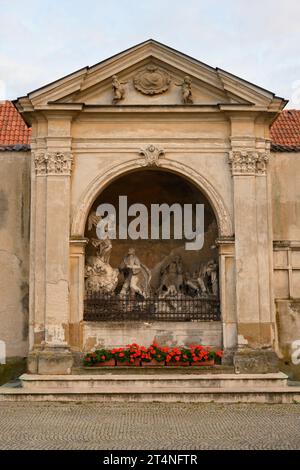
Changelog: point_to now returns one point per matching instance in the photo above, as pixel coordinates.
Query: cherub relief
(118, 89)
(186, 90)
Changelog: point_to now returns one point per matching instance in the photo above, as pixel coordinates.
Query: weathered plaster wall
(199, 143)
(285, 173)
(285, 179)
(14, 251)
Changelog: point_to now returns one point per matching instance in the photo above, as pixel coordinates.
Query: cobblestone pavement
(148, 426)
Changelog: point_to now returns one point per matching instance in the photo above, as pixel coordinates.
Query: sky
(43, 40)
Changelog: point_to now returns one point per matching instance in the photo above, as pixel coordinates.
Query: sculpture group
(133, 279)
(151, 81)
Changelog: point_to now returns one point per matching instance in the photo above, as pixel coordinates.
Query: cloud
(41, 41)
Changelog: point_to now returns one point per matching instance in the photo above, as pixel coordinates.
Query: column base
(228, 355)
(255, 361)
(50, 360)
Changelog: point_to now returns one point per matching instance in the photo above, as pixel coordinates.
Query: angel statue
(93, 220)
(186, 90)
(137, 276)
(103, 248)
(100, 276)
(118, 89)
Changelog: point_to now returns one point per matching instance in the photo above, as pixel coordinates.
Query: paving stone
(175, 426)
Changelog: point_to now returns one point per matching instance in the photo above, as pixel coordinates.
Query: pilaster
(248, 160)
(52, 166)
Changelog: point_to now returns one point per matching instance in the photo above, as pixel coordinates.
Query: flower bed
(154, 355)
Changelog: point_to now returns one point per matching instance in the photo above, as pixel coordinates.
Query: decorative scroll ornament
(151, 155)
(53, 163)
(152, 80)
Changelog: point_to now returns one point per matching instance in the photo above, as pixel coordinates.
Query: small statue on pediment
(118, 89)
(186, 90)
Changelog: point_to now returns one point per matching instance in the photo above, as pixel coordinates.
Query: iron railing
(178, 308)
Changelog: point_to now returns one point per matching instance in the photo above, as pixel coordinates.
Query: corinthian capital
(53, 163)
(244, 162)
(263, 159)
(59, 163)
(40, 163)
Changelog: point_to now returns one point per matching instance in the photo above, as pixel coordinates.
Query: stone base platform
(170, 387)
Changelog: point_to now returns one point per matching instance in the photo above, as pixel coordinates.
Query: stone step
(152, 370)
(170, 387)
(146, 383)
(269, 395)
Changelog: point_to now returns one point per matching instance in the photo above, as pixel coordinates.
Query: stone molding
(245, 162)
(53, 163)
(224, 220)
(151, 155)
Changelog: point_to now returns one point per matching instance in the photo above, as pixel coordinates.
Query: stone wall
(114, 334)
(14, 257)
(285, 179)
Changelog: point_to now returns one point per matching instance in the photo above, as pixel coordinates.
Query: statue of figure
(118, 89)
(100, 276)
(186, 90)
(103, 245)
(201, 278)
(170, 292)
(93, 220)
(208, 275)
(137, 275)
(212, 273)
(104, 248)
(191, 284)
(172, 275)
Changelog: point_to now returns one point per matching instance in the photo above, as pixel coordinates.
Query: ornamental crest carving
(152, 80)
(151, 155)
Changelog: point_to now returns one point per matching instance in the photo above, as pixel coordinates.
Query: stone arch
(225, 226)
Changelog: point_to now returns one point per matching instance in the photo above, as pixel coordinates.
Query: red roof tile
(13, 130)
(285, 131)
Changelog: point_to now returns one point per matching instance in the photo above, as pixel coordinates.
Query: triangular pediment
(151, 74)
